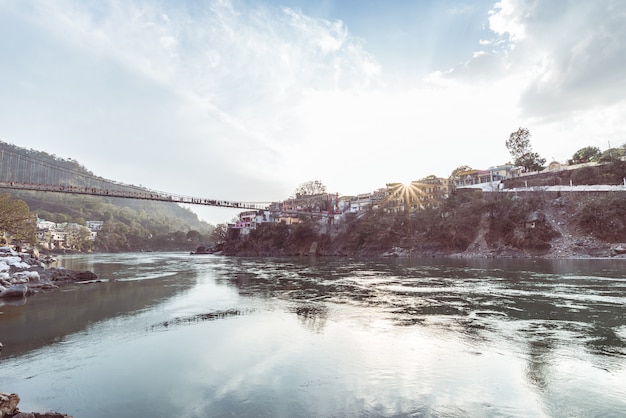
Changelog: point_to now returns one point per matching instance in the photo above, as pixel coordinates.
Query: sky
(245, 100)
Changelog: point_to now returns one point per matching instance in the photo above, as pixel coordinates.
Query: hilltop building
(480, 178)
(249, 220)
(428, 192)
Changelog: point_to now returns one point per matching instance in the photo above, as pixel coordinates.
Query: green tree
(455, 173)
(16, 219)
(519, 146)
(612, 155)
(194, 236)
(83, 243)
(585, 155)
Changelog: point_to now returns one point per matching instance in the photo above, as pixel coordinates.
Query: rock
(62, 275)
(618, 249)
(26, 276)
(8, 404)
(15, 291)
(8, 408)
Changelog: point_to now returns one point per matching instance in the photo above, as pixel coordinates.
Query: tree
(585, 155)
(193, 235)
(611, 155)
(518, 145)
(310, 194)
(219, 233)
(17, 220)
(310, 188)
(83, 241)
(455, 173)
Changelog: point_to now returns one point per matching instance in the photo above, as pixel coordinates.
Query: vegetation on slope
(129, 225)
(472, 222)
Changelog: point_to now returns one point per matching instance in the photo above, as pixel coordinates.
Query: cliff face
(471, 224)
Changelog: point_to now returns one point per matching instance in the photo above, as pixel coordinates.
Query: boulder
(618, 249)
(8, 404)
(15, 291)
(62, 275)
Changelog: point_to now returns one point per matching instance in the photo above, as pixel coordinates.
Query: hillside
(469, 224)
(130, 225)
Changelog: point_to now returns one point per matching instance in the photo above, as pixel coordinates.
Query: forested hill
(130, 225)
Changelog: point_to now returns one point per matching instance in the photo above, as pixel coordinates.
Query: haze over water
(208, 336)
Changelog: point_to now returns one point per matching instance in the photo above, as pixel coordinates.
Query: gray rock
(15, 291)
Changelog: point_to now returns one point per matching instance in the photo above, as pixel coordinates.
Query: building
(473, 177)
(66, 235)
(503, 172)
(94, 225)
(486, 178)
(250, 219)
(428, 192)
(327, 203)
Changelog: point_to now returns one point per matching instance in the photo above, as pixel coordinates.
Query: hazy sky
(246, 100)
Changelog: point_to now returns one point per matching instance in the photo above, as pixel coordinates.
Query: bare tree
(311, 187)
(310, 194)
(219, 233)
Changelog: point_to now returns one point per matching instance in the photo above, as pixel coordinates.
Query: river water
(175, 335)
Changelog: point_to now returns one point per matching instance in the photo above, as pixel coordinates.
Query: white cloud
(573, 53)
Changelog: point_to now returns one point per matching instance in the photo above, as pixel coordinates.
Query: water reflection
(192, 337)
(49, 317)
(559, 299)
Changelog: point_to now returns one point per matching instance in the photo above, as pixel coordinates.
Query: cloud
(228, 100)
(568, 56)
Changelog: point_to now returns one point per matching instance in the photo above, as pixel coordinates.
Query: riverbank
(469, 224)
(22, 275)
(9, 409)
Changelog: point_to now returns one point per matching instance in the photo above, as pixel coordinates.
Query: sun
(407, 196)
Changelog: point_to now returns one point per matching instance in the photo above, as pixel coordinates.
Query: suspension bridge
(24, 170)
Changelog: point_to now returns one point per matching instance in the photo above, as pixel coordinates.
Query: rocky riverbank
(8, 408)
(22, 275)
(470, 224)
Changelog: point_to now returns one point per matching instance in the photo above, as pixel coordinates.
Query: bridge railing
(141, 194)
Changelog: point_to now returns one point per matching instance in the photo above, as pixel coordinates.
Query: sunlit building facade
(428, 192)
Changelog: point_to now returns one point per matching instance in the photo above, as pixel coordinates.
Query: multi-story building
(493, 175)
(306, 204)
(67, 235)
(249, 220)
(367, 200)
(428, 192)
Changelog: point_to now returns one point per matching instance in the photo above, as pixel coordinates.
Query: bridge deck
(131, 194)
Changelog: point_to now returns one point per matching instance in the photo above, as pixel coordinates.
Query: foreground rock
(8, 408)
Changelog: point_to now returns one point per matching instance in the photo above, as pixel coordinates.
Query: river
(175, 335)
